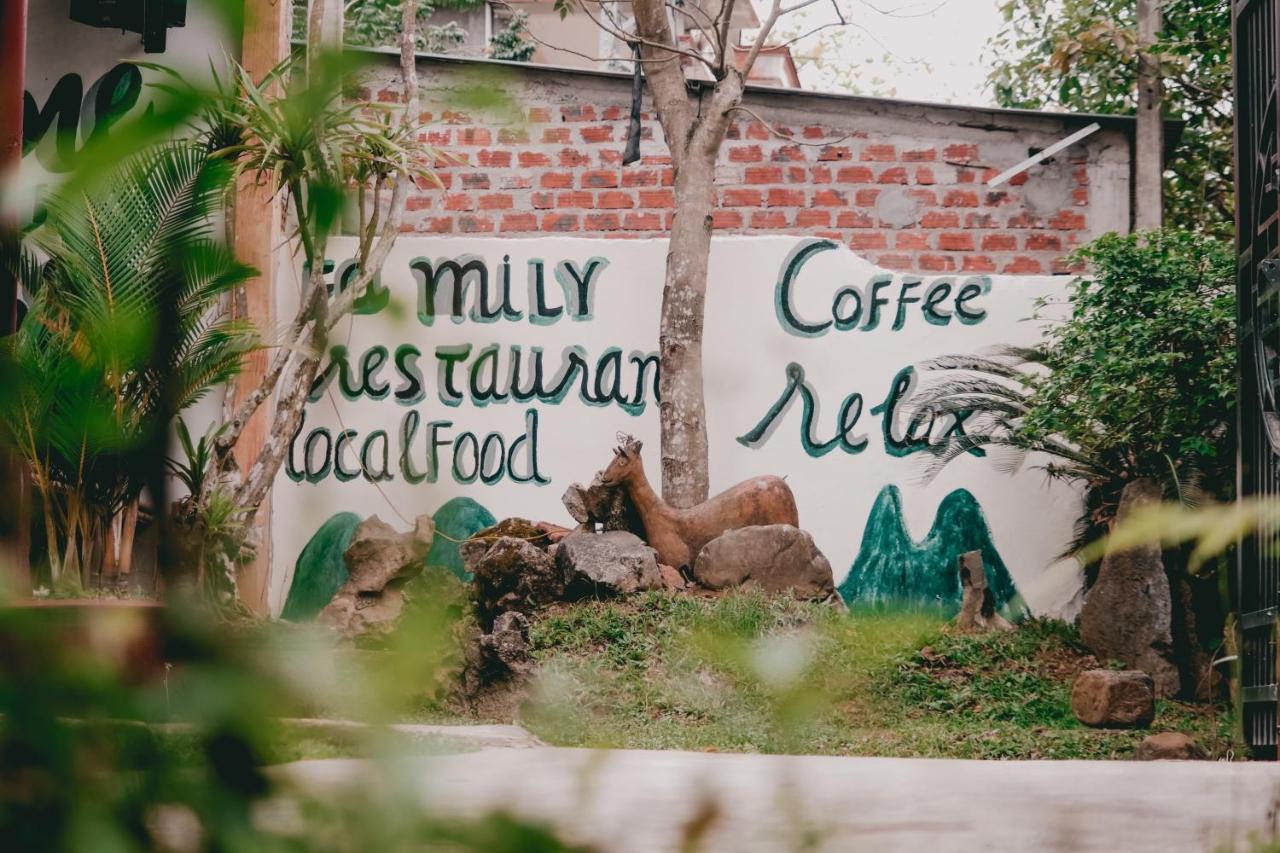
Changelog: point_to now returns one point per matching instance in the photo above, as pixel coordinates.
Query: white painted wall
(747, 350)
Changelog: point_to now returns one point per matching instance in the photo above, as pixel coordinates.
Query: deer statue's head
(626, 461)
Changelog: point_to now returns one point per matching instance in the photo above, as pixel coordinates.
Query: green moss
(320, 570)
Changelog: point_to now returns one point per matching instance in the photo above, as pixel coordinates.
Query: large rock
(380, 561)
(510, 574)
(612, 563)
(1106, 698)
(606, 506)
(776, 558)
(502, 655)
(1128, 613)
(1169, 746)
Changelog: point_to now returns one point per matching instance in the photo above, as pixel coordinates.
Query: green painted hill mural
(320, 569)
(459, 518)
(891, 567)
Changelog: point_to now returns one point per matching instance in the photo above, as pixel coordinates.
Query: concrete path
(648, 801)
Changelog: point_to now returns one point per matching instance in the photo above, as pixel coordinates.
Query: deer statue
(679, 534)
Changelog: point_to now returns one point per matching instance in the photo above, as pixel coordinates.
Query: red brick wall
(558, 170)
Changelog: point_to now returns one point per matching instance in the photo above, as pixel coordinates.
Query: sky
(923, 50)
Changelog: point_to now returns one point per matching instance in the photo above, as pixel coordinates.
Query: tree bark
(1148, 193)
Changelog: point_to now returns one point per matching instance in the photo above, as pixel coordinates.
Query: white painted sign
(501, 370)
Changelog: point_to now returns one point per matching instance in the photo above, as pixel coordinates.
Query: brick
(797, 175)
(829, 198)
(999, 243)
(894, 175)
(920, 155)
(572, 158)
(813, 131)
(746, 154)
(960, 198)
(865, 198)
(539, 115)
(1080, 195)
(519, 222)
(475, 181)
(1022, 265)
(599, 179)
(437, 137)
(1067, 220)
(513, 136)
(762, 175)
(756, 130)
(955, 241)
(614, 113)
(960, 153)
(868, 240)
(779, 197)
(855, 175)
(459, 201)
(601, 222)
(766, 219)
(854, 219)
(615, 200)
(639, 178)
(1039, 242)
(556, 135)
(533, 159)
(438, 225)
(936, 263)
(726, 219)
(656, 198)
(820, 174)
(515, 182)
(468, 224)
(577, 199)
(494, 159)
(609, 156)
(475, 136)
(977, 263)
(556, 180)
(793, 154)
(597, 133)
(455, 117)
(575, 112)
(915, 240)
(835, 152)
(878, 153)
(560, 222)
(813, 218)
(418, 202)
(542, 201)
(741, 198)
(980, 220)
(924, 175)
(900, 263)
(642, 222)
(496, 201)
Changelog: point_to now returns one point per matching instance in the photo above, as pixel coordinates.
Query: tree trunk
(685, 475)
(1148, 191)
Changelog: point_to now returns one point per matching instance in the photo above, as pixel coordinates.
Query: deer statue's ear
(617, 451)
(636, 445)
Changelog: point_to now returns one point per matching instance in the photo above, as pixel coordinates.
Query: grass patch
(758, 674)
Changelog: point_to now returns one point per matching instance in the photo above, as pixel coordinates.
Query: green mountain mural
(320, 570)
(891, 567)
(459, 518)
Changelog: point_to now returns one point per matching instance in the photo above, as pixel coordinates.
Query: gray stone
(1106, 698)
(380, 561)
(776, 558)
(1169, 746)
(1128, 613)
(507, 645)
(511, 574)
(606, 506)
(611, 563)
